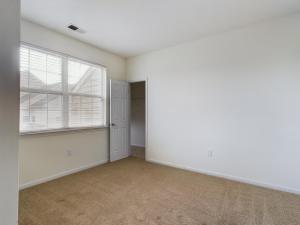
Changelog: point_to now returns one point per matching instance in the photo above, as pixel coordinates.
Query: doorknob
(112, 124)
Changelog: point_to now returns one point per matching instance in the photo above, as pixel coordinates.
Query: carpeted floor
(138, 152)
(134, 192)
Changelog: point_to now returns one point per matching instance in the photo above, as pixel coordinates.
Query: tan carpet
(138, 152)
(134, 192)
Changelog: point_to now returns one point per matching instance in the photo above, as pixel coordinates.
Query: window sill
(62, 130)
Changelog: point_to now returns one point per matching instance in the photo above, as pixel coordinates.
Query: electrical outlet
(69, 153)
(210, 153)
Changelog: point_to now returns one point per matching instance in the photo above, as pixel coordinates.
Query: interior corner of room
(114, 111)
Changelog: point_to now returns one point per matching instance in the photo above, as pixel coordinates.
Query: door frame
(146, 111)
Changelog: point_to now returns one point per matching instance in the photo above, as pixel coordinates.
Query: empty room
(139, 112)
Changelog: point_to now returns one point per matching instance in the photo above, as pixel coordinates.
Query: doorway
(137, 140)
(128, 119)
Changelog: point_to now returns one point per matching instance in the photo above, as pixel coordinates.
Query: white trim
(45, 91)
(60, 130)
(228, 177)
(60, 174)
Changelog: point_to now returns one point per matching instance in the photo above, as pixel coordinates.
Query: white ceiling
(132, 27)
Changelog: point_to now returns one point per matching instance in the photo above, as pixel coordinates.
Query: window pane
(24, 67)
(55, 111)
(40, 111)
(24, 111)
(33, 114)
(85, 79)
(42, 94)
(85, 111)
(54, 73)
(40, 70)
(37, 79)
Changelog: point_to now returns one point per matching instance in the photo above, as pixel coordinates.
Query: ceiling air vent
(75, 28)
(72, 27)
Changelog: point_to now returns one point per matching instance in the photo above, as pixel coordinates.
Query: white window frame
(65, 92)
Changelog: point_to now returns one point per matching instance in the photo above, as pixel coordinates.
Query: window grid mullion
(65, 92)
(80, 110)
(40, 91)
(104, 95)
(29, 108)
(46, 72)
(47, 111)
(28, 71)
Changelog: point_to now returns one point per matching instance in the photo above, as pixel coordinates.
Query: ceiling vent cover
(75, 28)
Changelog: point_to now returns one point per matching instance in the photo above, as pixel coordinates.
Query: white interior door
(119, 120)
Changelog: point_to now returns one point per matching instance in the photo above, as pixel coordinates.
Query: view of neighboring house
(43, 109)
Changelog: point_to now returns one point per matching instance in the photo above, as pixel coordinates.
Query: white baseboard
(229, 177)
(61, 174)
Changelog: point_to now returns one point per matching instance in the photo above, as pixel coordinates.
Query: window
(59, 92)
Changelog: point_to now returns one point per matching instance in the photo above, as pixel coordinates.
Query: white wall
(9, 113)
(44, 156)
(236, 94)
